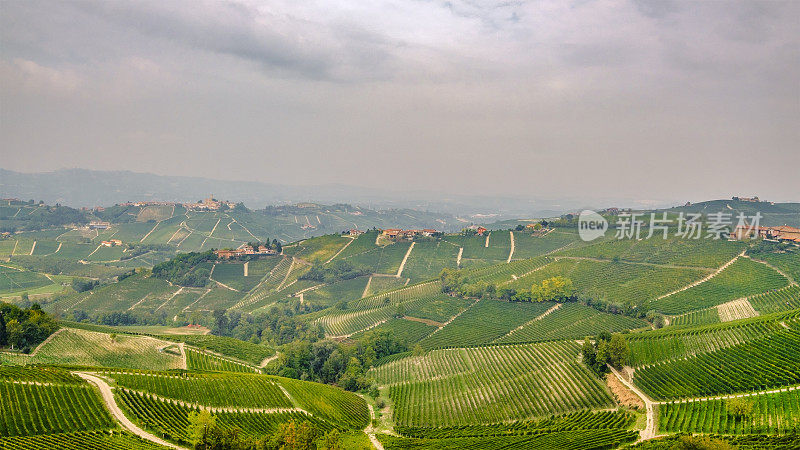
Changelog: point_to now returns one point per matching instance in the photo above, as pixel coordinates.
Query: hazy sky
(648, 99)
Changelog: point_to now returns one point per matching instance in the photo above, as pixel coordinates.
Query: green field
(455, 387)
(777, 413)
(28, 409)
(767, 362)
(741, 279)
(89, 348)
(484, 322)
(571, 321)
(247, 391)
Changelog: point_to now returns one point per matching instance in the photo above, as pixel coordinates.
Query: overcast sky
(647, 99)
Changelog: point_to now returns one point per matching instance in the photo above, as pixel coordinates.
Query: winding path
(111, 403)
(370, 431)
(649, 431)
(712, 275)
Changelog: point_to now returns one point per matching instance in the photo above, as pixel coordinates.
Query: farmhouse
(479, 230)
(246, 250)
(393, 233)
(780, 233)
(98, 225)
(111, 243)
(355, 232)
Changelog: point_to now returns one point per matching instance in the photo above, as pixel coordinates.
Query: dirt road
(111, 403)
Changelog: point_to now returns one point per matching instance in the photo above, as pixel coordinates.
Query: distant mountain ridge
(82, 187)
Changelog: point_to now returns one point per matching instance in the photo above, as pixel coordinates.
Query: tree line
(22, 329)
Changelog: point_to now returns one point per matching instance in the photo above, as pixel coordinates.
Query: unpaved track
(405, 258)
(716, 272)
(341, 249)
(111, 403)
(511, 253)
(369, 431)
(649, 431)
(458, 259)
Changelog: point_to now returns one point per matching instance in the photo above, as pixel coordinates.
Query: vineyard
(582, 420)
(243, 351)
(670, 343)
(620, 282)
(29, 409)
(200, 360)
(232, 273)
(698, 317)
(527, 246)
(408, 331)
(271, 282)
(369, 311)
(331, 294)
(428, 258)
(777, 300)
(18, 280)
(88, 348)
(457, 387)
(39, 374)
(171, 420)
(777, 413)
(248, 391)
(767, 362)
(343, 409)
(706, 253)
(743, 278)
(318, 249)
(571, 321)
(484, 322)
(80, 440)
(567, 440)
(788, 262)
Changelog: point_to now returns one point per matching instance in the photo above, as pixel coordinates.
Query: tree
(739, 407)
(200, 424)
(589, 353)
(418, 350)
(330, 441)
(618, 351)
(15, 335)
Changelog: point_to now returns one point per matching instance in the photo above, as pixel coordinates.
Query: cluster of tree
(337, 271)
(117, 318)
(656, 318)
(23, 329)
(607, 350)
(45, 217)
(186, 269)
(205, 434)
(83, 285)
(278, 326)
(342, 364)
(536, 226)
(555, 289)
(456, 282)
